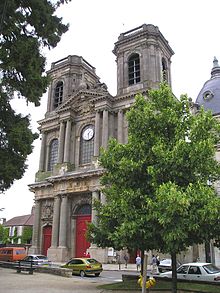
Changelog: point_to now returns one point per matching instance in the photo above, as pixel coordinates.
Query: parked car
(37, 260)
(166, 265)
(196, 271)
(84, 266)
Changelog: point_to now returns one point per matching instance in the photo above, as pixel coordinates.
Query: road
(12, 282)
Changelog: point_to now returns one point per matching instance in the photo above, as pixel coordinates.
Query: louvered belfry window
(58, 96)
(134, 75)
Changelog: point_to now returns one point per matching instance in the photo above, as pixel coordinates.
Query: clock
(88, 133)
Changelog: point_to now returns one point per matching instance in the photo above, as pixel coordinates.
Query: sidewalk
(115, 267)
(121, 267)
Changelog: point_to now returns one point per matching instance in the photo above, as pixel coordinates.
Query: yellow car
(84, 266)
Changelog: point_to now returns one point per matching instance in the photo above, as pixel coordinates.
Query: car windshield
(41, 257)
(211, 269)
(166, 261)
(91, 260)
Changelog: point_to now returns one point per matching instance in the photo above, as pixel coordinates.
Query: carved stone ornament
(47, 210)
(78, 201)
(82, 105)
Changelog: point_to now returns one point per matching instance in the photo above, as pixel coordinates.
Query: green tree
(156, 185)
(4, 234)
(26, 235)
(1, 233)
(26, 27)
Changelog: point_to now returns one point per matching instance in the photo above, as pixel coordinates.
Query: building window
(84, 210)
(53, 154)
(134, 75)
(87, 144)
(58, 96)
(164, 70)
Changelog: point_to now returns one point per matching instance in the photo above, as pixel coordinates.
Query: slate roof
(26, 220)
(209, 96)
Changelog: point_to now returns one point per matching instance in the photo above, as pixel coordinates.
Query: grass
(161, 284)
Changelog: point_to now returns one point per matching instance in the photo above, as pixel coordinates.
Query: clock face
(88, 133)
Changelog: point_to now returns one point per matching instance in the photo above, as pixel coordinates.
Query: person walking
(138, 262)
(154, 265)
(126, 260)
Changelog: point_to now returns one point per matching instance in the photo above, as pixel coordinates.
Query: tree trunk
(142, 261)
(144, 273)
(174, 273)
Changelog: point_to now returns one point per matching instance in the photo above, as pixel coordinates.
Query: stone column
(67, 141)
(125, 131)
(95, 196)
(102, 198)
(42, 152)
(97, 134)
(36, 228)
(61, 142)
(56, 221)
(63, 222)
(120, 126)
(105, 129)
(73, 145)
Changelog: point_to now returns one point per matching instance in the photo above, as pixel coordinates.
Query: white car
(197, 271)
(166, 265)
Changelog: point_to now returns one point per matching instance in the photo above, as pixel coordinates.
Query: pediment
(80, 103)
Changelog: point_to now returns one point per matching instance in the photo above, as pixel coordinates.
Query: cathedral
(81, 117)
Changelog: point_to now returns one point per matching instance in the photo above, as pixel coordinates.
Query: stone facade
(81, 117)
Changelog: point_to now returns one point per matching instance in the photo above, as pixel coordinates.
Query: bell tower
(143, 58)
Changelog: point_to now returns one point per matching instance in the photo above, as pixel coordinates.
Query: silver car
(37, 260)
(197, 271)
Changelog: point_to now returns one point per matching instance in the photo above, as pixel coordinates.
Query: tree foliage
(156, 189)
(26, 235)
(26, 27)
(4, 235)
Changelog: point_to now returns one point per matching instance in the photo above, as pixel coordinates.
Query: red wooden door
(47, 232)
(81, 243)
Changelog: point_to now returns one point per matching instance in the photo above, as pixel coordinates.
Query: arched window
(87, 144)
(134, 75)
(164, 70)
(53, 154)
(58, 95)
(84, 210)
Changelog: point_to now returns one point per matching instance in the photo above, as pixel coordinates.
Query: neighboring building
(81, 116)
(209, 98)
(17, 226)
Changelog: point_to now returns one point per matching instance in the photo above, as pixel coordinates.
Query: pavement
(116, 267)
(119, 267)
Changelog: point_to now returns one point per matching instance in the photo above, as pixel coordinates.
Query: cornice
(48, 120)
(40, 184)
(103, 97)
(135, 34)
(130, 95)
(81, 174)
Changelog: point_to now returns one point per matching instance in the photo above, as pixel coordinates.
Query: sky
(191, 28)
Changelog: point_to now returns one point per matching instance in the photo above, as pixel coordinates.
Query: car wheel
(82, 274)
(97, 274)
